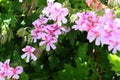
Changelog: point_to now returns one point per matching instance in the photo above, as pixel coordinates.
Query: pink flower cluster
(105, 30)
(29, 53)
(49, 33)
(9, 72)
(55, 11)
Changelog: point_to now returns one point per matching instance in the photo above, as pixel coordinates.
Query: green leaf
(53, 62)
(72, 36)
(82, 50)
(115, 61)
(24, 76)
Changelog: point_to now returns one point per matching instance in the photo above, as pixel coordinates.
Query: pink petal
(50, 0)
(32, 49)
(16, 76)
(45, 11)
(110, 47)
(57, 5)
(7, 62)
(53, 46)
(97, 42)
(28, 58)
(59, 22)
(2, 77)
(19, 69)
(48, 47)
(52, 17)
(64, 20)
(91, 37)
(65, 11)
(9, 73)
(1, 64)
(23, 49)
(114, 50)
(42, 43)
(33, 57)
(24, 55)
(27, 47)
(36, 23)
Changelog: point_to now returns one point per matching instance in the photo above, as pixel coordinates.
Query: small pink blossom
(53, 30)
(37, 33)
(7, 71)
(55, 12)
(86, 21)
(18, 70)
(49, 41)
(29, 53)
(99, 35)
(58, 14)
(46, 11)
(42, 20)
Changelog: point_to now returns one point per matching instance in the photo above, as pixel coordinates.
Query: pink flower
(46, 11)
(29, 53)
(53, 30)
(18, 70)
(103, 29)
(114, 46)
(6, 69)
(37, 33)
(114, 42)
(55, 12)
(40, 21)
(58, 14)
(99, 35)
(49, 33)
(86, 21)
(49, 41)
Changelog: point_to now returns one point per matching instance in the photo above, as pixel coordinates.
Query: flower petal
(28, 58)
(33, 57)
(53, 46)
(24, 55)
(48, 47)
(16, 76)
(19, 69)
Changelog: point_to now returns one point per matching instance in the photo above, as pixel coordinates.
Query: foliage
(74, 57)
